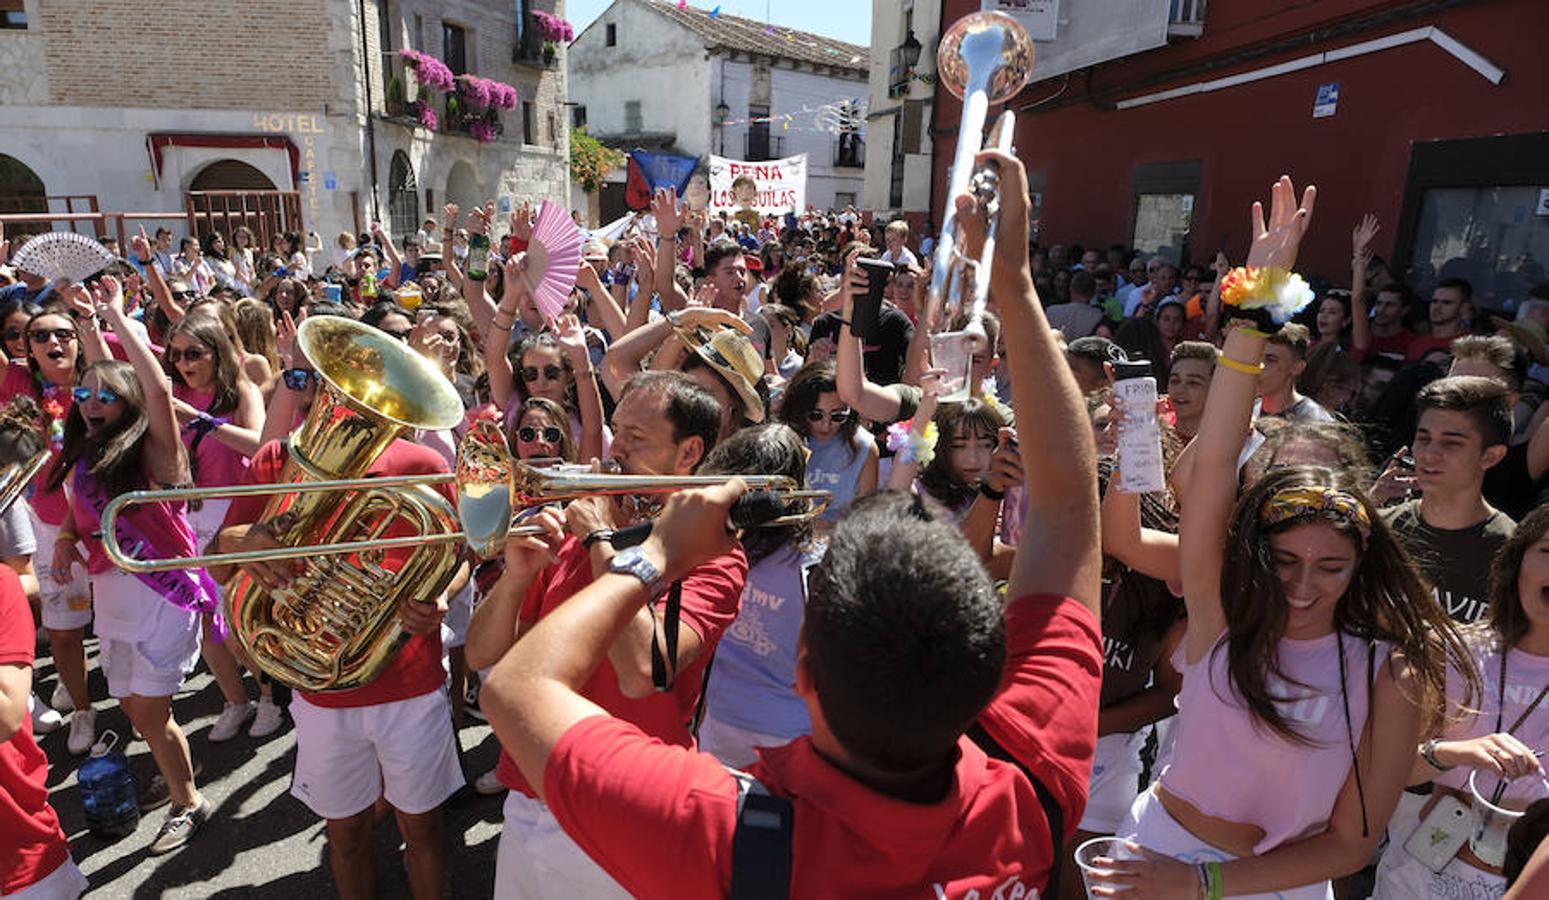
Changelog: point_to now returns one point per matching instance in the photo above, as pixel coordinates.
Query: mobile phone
(863, 317)
(1439, 836)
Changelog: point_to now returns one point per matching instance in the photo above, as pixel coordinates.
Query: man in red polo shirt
(664, 424)
(906, 651)
(34, 855)
(391, 738)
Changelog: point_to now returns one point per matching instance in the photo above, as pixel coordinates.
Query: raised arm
(1212, 493)
(645, 285)
(572, 340)
(603, 305)
(1361, 254)
(168, 463)
(153, 274)
(497, 332)
(394, 261)
(284, 403)
(1059, 552)
(664, 206)
(94, 347)
(872, 401)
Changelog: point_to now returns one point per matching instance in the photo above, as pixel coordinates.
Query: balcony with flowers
(467, 104)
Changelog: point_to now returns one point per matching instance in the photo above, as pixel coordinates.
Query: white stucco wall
(656, 62)
(887, 32)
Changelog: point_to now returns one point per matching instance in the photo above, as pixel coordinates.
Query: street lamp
(722, 116)
(910, 50)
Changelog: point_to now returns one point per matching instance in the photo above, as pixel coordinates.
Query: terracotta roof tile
(752, 36)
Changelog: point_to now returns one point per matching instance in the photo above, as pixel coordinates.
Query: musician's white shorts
(347, 758)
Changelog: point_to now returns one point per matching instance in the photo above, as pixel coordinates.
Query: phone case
(868, 307)
(1440, 834)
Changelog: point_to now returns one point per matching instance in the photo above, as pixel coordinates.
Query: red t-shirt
(609, 785)
(1423, 345)
(32, 845)
(712, 593)
(1394, 345)
(416, 669)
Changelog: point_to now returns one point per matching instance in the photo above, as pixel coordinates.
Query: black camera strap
(761, 845)
(664, 670)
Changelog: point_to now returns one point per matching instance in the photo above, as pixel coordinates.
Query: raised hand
(108, 295)
(285, 339)
(645, 262)
(521, 222)
(1276, 242)
(1222, 265)
(664, 206)
(449, 214)
(570, 336)
(141, 245)
(1361, 240)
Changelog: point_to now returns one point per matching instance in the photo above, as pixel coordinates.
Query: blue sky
(847, 20)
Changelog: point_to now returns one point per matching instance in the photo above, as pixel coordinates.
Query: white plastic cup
(1493, 817)
(1090, 851)
(953, 352)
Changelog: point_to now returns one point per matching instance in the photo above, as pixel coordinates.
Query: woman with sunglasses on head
(1503, 735)
(220, 414)
(56, 355)
(122, 435)
(1313, 659)
(844, 456)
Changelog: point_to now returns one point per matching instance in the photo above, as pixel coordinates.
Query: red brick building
(1436, 121)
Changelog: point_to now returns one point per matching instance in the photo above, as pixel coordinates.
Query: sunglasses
(63, 335)
(836, 416)
(296, 379)
(183, 295)
(552, 373)
(192, 354)
(103, 395)
(529, 434)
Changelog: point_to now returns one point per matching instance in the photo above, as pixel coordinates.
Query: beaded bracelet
(910, 447)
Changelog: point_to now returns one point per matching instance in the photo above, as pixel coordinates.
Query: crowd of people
(1274, 676)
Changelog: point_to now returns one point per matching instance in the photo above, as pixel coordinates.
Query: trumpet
(492, 488)
(984, 58)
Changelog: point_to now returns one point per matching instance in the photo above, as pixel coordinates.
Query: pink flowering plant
(502, 95)
(552, 28)
(426, 115)
(428, 70)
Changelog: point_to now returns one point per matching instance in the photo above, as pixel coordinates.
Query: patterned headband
(1299, 502)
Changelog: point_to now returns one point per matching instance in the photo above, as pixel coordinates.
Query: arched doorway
(21, 190)
(230, 175)
(462, 186)
(403, 199)
(229, 193)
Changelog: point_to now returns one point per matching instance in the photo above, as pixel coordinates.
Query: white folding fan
(62, 254)
(553, 258)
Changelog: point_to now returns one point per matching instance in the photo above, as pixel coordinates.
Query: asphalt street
(260, 841)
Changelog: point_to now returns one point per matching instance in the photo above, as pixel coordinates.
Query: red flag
(637, 188)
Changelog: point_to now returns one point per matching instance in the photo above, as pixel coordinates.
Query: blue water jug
(108, 791)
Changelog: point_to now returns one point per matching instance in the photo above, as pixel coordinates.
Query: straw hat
(731, 354)
(1527, 333)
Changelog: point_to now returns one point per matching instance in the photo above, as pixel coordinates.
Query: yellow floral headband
(1299, 502)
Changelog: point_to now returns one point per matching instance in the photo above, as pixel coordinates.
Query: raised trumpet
(985, 58)
(491, 486)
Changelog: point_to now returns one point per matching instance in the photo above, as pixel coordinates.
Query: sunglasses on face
(62, 335)
(529, 434)
(836, 416)
(192, 354)
(296, 379)
(183, 295)
(552, 373)
(103, 395)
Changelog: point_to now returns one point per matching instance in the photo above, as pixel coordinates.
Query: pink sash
(192, 590)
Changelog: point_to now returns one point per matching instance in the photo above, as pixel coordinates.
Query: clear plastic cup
(409, 296)
(1099, 847)
(953, 351)
(1497, 805)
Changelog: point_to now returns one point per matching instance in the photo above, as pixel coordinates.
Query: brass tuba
(335, 626)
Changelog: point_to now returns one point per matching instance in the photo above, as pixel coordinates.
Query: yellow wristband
(1237, 365)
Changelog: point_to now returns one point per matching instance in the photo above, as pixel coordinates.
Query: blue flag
(649, 171)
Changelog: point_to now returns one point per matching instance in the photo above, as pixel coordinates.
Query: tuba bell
(335, 626)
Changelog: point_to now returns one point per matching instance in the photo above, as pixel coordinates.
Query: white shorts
(146, 646)
(1115, 781)
(66, 607)
(1401, 877)
(734, 746)
(402, 750)
(64, 883)
(538, 861)
(1153, 827)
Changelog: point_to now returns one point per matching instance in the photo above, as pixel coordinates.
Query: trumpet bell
(485, 475)
(990, 46)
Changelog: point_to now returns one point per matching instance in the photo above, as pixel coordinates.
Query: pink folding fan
(553, 258)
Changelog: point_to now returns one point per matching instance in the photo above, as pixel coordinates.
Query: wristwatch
(632, 561)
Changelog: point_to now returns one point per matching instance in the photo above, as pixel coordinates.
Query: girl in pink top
(221, 416)
(1503, 735)
(121, 436)
(1313, 658)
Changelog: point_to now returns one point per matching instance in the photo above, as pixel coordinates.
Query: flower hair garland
(1279, 292)
(910, 447)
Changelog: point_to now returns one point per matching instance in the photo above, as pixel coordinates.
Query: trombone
(985, 58)
(491, 486)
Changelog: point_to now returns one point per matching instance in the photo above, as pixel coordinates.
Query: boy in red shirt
(34, 855)
(905, 652)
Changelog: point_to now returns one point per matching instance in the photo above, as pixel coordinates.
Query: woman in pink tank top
(221, 416)
(1313, 658)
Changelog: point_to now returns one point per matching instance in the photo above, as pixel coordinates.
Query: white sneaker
(83, 731)
(45, 719)
(60, 699)
(230, 721)
(488, 784)
(267, 720)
